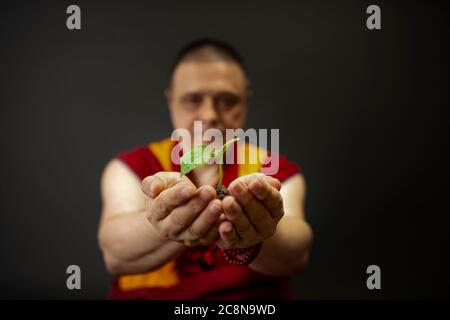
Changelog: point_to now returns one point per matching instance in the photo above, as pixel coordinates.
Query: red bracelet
(239, 256)
(242, 257)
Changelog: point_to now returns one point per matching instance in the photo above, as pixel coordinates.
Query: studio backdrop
(363, 112)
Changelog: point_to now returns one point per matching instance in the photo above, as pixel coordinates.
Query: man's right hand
(181, 212)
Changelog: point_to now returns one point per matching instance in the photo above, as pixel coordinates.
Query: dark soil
(224, 192)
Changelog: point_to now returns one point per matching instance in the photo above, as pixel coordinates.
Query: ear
(168, 95)
(249, 92)
(248, 95)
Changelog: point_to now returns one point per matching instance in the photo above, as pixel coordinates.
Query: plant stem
(220, 178)
(219, 153)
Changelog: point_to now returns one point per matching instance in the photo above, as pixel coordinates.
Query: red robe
(187, 277)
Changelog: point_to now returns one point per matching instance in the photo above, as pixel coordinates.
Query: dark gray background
(365, 113)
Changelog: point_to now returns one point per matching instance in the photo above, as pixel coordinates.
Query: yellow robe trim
(162, 151)
(164, 277)
(250, 158)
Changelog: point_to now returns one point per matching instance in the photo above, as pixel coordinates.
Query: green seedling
(200, 155)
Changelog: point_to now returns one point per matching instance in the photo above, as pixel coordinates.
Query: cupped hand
(252, 210)
(181, 212)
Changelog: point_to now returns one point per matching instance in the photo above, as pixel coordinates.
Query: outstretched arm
(129, 242)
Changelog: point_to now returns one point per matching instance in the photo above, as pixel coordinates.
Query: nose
(208, 113)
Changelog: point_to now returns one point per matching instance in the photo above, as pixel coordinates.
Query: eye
(192, 100)
(226, 101)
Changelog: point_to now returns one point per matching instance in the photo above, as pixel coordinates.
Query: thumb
(274, 182)
(153, 185)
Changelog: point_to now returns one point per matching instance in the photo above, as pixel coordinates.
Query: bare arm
(129, 242)
(287, 251)
(144, 225)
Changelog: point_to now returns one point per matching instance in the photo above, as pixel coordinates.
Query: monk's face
(214, 92)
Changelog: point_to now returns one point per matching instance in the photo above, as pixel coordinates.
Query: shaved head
(207, 50)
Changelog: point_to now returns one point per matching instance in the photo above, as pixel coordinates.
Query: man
(168, 237)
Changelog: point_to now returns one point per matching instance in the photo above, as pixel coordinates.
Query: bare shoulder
(120, 188)
(295, 184)
(293, 192)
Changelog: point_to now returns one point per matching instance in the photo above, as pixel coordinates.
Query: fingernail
(214, 208)
(149, 187)
(258, 187)
(186, 193)
(238, 188)
(205, 195)
(152, 188)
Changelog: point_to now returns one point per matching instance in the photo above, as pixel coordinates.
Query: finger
(228, 237)
(269, 196)
(257, 213)
(169, 199)
(260, 176)
(155, 184)
(200, 226)
(211, 235)
(182, 216)
(235, 214)
(260, 188)
(274, 182)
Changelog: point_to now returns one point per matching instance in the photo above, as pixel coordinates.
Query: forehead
(208, 76)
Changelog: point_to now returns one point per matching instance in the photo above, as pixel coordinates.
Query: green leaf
(219, 152)
(195, 158)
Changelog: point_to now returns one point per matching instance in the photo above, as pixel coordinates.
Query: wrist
(242, 256)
